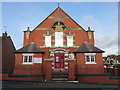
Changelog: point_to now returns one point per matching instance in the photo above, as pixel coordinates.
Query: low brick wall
(97, 79)
(22, 77)
(112, 71)
(83, 78)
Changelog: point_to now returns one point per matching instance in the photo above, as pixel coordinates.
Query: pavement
(56, 84)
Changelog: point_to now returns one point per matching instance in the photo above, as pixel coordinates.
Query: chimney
(89, 29)
(4, 34)
(27, 33)
(28, 29)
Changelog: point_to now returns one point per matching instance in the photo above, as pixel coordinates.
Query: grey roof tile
(88, 48)
(30, 48)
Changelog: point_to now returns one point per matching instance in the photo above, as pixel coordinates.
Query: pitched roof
(114, 57)
(104, 58)
(6, 40)
(88, 48)
(118, 57)
(57, 10)
(2, 39)
(30, 48)
(111, 56)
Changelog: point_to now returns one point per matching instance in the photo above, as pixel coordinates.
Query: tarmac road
(21, 84)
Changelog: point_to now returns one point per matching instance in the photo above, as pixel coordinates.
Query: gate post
(48, 70)
(71, 70)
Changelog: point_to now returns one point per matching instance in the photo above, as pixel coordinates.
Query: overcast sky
(102, 17)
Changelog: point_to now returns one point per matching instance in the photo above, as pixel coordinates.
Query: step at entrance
(60, 75)
(59, 79)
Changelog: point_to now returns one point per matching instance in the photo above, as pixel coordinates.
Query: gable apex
(56, 15)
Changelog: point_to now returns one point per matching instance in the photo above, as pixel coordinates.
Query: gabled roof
(88, 48)
(30, 48)
(4, 39)
(104, 58)
(58, 8)
(118, 57)
(114, 57)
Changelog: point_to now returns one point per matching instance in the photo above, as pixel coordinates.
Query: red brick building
(7, 49)
(59, 48)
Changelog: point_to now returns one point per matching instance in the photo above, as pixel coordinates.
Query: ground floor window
(27, 58)
(90, 59)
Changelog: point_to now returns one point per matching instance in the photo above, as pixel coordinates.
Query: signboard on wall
(71, 56)
(37, 60)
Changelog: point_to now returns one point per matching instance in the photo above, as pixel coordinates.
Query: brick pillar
(71, 70)
(48, 70)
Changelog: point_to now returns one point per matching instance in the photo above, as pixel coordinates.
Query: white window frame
(58, 39)
(26, 54)
(48, 41)
(90, 55)
(69, 41)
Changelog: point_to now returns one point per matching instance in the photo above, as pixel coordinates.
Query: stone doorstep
(64, 80)
(73, 81)
(59, 79)
(59, 76)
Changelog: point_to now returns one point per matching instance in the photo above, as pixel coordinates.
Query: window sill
(90, 63)
(27, 63)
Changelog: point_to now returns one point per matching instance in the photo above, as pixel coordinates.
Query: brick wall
(37, 34)
(89, 68)
(23, 69)
(8, 57)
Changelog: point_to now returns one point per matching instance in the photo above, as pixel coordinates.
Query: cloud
(108, 43)
(90, 21)
(111, 50)
(106, 37)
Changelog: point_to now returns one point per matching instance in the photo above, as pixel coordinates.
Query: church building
(58, 48)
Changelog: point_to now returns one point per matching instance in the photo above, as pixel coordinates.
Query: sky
(102, 17)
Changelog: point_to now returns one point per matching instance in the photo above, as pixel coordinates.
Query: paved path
(15, 84)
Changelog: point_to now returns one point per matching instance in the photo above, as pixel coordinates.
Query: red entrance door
(59, 61)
